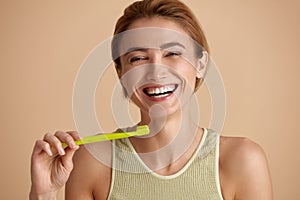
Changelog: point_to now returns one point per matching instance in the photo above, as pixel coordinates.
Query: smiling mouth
(160, 91)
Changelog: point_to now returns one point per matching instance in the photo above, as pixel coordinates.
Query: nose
(155, 56)
(156, 70)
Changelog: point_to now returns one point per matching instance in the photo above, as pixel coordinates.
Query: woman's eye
(137, 59)
(173, 53)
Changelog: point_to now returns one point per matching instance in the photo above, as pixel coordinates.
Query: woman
(180, 160)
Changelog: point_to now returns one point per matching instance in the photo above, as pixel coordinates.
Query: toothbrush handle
(102, 137)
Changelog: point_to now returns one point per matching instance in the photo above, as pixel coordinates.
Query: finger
(67, 159)
(55, 143)
(66, 138)
(74, 134)
(41, 146)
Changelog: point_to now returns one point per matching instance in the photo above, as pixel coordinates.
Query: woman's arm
(90, 178)
(245, 169)
(254, 178)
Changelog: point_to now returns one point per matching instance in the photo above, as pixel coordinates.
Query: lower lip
(158, 99)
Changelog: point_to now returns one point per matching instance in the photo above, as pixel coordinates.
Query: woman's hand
(51, 164)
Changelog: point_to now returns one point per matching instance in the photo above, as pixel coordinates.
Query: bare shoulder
(90, 173)
(244, 163)
(239, 149)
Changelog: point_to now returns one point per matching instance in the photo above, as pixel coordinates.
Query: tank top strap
(210, 140)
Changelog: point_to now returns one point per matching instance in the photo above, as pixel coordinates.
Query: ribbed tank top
(198, 179)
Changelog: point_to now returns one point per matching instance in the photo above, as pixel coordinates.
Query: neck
(171, 137)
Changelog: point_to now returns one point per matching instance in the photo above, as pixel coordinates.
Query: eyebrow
(172, 44)
(135, 49)
(163, 46)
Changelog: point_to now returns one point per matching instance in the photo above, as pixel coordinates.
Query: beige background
(255, 44)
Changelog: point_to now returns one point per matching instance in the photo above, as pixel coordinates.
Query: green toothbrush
(140, 131)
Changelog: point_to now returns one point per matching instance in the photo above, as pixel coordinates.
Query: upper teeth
(160, 90)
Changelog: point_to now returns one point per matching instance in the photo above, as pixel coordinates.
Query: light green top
(198, 179)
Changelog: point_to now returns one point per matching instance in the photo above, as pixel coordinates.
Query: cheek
(191, 79)
(124, 67)
(188, 72)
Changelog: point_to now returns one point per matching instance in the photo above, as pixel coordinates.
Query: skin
(243, 167)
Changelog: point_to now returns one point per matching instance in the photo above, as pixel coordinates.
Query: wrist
(44, 196)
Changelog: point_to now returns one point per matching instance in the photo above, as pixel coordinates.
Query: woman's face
(160, 67)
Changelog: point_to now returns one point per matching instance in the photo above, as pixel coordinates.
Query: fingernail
(61, 151)
(73, 145)
(49, 152)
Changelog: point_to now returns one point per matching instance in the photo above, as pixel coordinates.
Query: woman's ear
(201, 64)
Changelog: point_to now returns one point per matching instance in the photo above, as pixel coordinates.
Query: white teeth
(160, 96)
(157, 91)
(161, 90)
